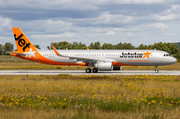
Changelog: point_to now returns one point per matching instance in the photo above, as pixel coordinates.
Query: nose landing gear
(156, 69)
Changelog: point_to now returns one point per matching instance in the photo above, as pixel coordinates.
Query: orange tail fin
(22, 42)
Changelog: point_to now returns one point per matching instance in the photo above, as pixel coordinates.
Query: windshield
(165, 55)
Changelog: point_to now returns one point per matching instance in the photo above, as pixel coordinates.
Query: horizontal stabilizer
(18, 53)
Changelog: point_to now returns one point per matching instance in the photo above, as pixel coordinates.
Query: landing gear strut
(156, 69)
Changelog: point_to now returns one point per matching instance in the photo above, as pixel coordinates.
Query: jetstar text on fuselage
(131, 55)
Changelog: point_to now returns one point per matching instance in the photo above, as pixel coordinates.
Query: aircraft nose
(173, 60)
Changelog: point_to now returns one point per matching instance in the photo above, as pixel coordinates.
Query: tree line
(9, 47)
(6, 47)
(168, 47)
(96, 45)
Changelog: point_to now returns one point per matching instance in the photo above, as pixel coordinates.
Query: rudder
(22, 42)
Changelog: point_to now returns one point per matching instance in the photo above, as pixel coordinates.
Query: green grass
(122, 105)
(63, 74)
(9, 58)
(89, 96)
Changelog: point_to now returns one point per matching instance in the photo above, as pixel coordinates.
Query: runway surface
(82, 72)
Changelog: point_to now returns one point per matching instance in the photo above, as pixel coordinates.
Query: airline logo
(21, 42)
(147, 54)
(31, 53)
(135, 55)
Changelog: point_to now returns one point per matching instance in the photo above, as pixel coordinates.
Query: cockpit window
(165, 55)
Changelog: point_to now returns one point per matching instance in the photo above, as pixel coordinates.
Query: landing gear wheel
(95, 70)
(157, 71)
(88, 70)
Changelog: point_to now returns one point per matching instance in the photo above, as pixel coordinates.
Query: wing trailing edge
(83, 59)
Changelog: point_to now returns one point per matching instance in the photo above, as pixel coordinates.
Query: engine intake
(104, 66)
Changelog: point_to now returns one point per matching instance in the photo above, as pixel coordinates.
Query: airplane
(100, 60)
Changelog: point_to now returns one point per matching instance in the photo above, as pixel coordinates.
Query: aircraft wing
(86, 60)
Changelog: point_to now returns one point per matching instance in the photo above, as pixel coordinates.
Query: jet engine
(117, 67)
(104, 66)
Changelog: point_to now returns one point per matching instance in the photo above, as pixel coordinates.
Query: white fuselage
(127, 57)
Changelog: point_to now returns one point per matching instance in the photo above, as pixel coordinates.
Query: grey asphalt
(82, 72)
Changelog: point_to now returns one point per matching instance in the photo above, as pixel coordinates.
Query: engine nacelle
(117, 67)
(104, 66)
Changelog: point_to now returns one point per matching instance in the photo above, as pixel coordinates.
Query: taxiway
(82, 72)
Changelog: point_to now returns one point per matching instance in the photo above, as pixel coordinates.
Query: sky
(107, 21)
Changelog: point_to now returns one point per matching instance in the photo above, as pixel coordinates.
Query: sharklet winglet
(57, 53)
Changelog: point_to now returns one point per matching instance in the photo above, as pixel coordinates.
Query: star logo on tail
(146, 54)
(31, 53)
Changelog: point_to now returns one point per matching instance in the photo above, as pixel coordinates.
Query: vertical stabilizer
(22, 42)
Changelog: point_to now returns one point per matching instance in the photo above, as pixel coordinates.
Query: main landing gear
(94, 70)
(88, 70)
(156, 69)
